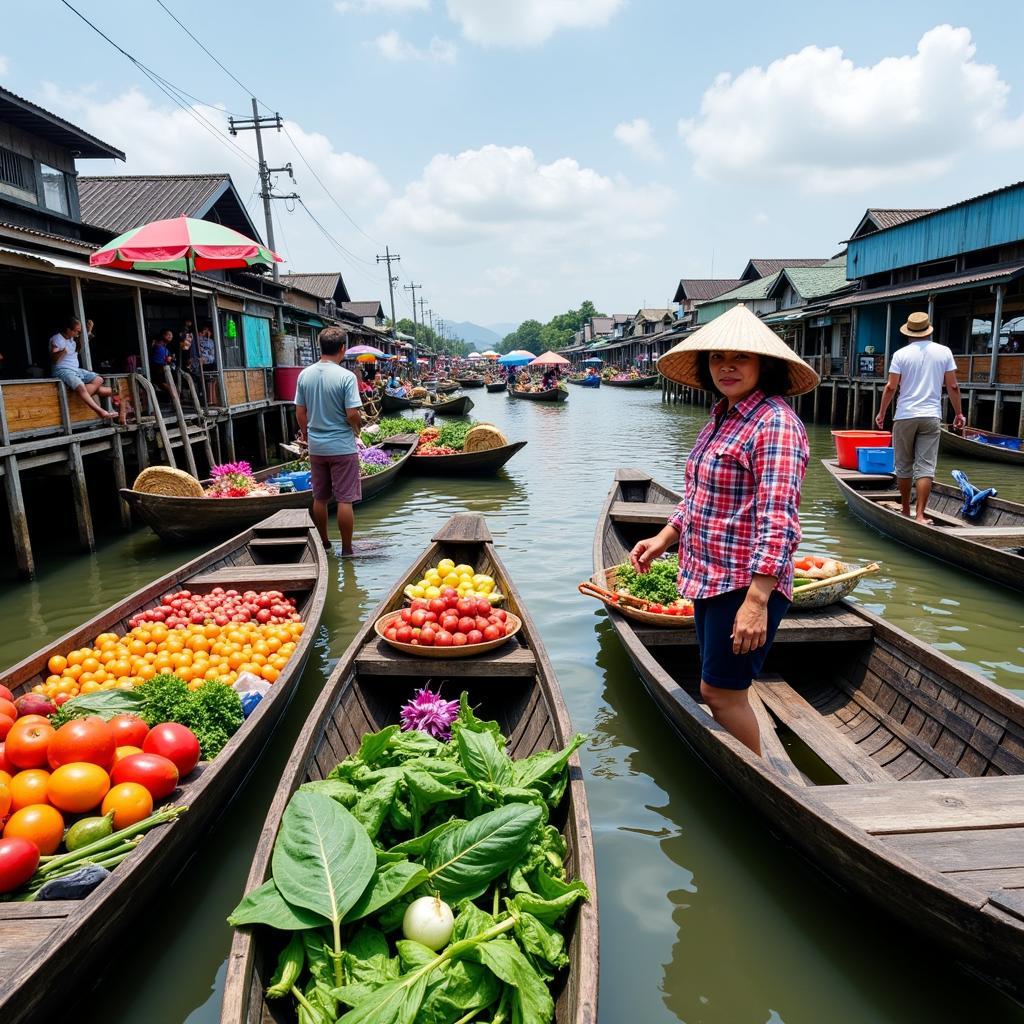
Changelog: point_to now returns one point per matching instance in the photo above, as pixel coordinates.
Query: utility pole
(256, 124)
(410, 287)
(422, 302)
(389, 257)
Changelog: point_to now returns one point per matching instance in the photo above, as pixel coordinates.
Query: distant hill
(479, 337)
(502, 329)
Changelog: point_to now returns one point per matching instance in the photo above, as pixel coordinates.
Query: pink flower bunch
(231, 480)
(430, 713)
(231, 469)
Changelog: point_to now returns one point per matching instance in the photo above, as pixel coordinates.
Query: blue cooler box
(876, 460)
(301, 481)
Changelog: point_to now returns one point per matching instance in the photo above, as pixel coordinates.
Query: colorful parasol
(550, 358)
(363, 350)
(517, 357)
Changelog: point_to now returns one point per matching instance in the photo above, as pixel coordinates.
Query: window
(55, 190)
(16, 170)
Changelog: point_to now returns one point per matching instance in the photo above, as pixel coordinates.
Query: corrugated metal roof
(765, 268)
(31, 118)
(702, 289)
(116, 203)
(751, 290)
(814, 282)
(890, 218)
(936, 284)
(322, 285)
(366, 308)
(20, 229)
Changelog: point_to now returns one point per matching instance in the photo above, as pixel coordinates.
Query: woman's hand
(647, 550)
(750, 627)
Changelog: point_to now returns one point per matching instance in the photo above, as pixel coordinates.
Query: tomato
(6, 693)
(427, 636)
(5, 765)
(450, 623)
(126, 751)
(474, 636)
(404, 635)
(40, 824)
(391, 634)
(175, 742)
(500, 614)
(466, 624)
(85, 739)
(129, 729)
(419, 604)
(442, 638)
(27, 743)
(130, 803)
(466, 606)
(29, 787)
(492, 633)
(19, 859)
(77, 787)
(6, 724)
(483, 606)
(459, 640)
(406, 614)
(5, 799)
(418, 617)
(156, 773)
(437, 606)
(481, 623)
(7, 708)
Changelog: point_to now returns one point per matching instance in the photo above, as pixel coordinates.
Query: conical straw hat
(739, 330)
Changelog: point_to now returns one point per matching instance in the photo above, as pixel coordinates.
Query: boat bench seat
(839, 752)
(645, 513)
(772, 749)
(271, 576)
(295, 519)
(378, 658)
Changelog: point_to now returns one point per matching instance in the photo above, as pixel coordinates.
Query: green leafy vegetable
(659, 584)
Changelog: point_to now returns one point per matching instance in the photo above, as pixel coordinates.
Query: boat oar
(588, 588)
(852, 574)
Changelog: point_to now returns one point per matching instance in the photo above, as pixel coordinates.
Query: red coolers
(848, 441)
(284, 382)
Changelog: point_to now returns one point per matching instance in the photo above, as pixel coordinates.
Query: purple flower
(430, 713)
(375, 457)
(231, 469)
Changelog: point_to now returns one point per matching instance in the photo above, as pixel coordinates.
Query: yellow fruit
(432, 591)
(451, 580)
(418, 590)
(464, 569)
(445, 565)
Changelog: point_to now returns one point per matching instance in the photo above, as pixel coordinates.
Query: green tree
(558, 332)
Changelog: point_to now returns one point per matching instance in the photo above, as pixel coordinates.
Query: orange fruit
(29, 787)
(269, 673)
(126, 751)
(5, 799)
(57, 664)
(130, 803)
(77, 787)
(40, 824)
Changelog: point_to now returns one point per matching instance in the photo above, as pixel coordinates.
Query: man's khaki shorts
(916, 444)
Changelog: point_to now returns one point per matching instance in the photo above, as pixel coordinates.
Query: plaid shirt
(738, 515)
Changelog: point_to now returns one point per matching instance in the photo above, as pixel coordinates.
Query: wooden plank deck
(645, 513)
(978, 849)
(932, 805)
(379, 659)
(841, 754)
(271, 576)
(772, 749)
(835, 623)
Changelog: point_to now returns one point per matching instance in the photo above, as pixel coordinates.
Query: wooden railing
(974, 369)
(248, 387)
(45, 407)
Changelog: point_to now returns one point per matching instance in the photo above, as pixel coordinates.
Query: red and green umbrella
(184, 244)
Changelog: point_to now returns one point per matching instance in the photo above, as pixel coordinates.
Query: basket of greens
(652, 597)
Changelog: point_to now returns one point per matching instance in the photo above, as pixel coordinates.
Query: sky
(524, 155)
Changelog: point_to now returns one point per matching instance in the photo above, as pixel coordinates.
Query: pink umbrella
(550, 358)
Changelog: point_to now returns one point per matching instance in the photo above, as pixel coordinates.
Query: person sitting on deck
(207, 349)
(66, 368)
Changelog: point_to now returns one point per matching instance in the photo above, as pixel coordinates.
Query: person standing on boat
(329, 411)
(737, 527)
(919, 372)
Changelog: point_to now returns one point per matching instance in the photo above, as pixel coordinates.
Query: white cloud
(382, 6)
(503, 194)
(816, 119)
(527, 22)
(636, 135)
(392, 46)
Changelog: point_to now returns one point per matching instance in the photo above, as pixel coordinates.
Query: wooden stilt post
(140, 327)
(80, 493)
(835, 402)
(229, 435)
(970, 407)
(261, 435)
(19, 519)
(284, 422)
(997, 325)
(120, 479)
(76, 294)
(24, 327)
(997, 413)
(186, 442)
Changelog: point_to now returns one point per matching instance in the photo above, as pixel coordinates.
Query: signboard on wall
(865, 365)
(256, 339)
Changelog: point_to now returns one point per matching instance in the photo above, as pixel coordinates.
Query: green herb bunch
(658, 585)
(409, 816)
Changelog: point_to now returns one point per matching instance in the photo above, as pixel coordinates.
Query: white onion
(429, 921)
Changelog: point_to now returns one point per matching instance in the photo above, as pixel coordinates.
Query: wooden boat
(470, 382)
(990, 545)
(585, 382)
(910, 785)
(177, 518)
(392, 403)
(495, 386)
(515, 685)
(481, 463)
(53, 951)
(551, 395)
(447, 387)
(635, 382)
(965, 444)
(450, 407)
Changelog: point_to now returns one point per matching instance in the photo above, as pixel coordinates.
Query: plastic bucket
(876, 460)
(848, 441)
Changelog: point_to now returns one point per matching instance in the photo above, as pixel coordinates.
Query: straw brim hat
(918, 325)
(738, 330)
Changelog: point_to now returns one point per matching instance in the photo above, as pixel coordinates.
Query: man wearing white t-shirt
(66, 368)
(919, 372)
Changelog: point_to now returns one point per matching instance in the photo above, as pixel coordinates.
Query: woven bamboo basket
(637, 614)
(483, 437)
(822, 593)
(169, 482)
(466, 651)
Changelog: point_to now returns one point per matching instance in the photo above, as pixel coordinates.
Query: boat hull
(470, 382)
(465, 463)
(495, 386)
(551, 395)
(954, 444)
(639, 382)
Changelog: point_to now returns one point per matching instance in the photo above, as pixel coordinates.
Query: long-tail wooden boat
(585, 382)
(989, 449)
(392, 403)
(990, 545)
(52, 951)
(893, 768)
(551, 395)
(495, 386)
(459, 406)
(180, 518)
(470, 382)
(633, 382)
(481, 463)
(516, 685)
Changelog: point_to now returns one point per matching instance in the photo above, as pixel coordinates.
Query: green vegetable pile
(453, 435)
(389, 426)
(658, 585)
(404, 817)
(213, 711)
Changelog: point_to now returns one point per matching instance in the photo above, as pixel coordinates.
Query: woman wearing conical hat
(737, 527)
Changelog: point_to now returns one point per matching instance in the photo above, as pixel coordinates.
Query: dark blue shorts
(713, 618)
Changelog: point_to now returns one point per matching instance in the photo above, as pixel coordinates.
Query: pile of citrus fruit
(466, 581)
(194, 652)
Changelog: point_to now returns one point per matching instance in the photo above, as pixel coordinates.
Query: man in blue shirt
(328, 408)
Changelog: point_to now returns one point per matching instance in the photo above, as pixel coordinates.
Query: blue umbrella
(592, 361)
(517, 359)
